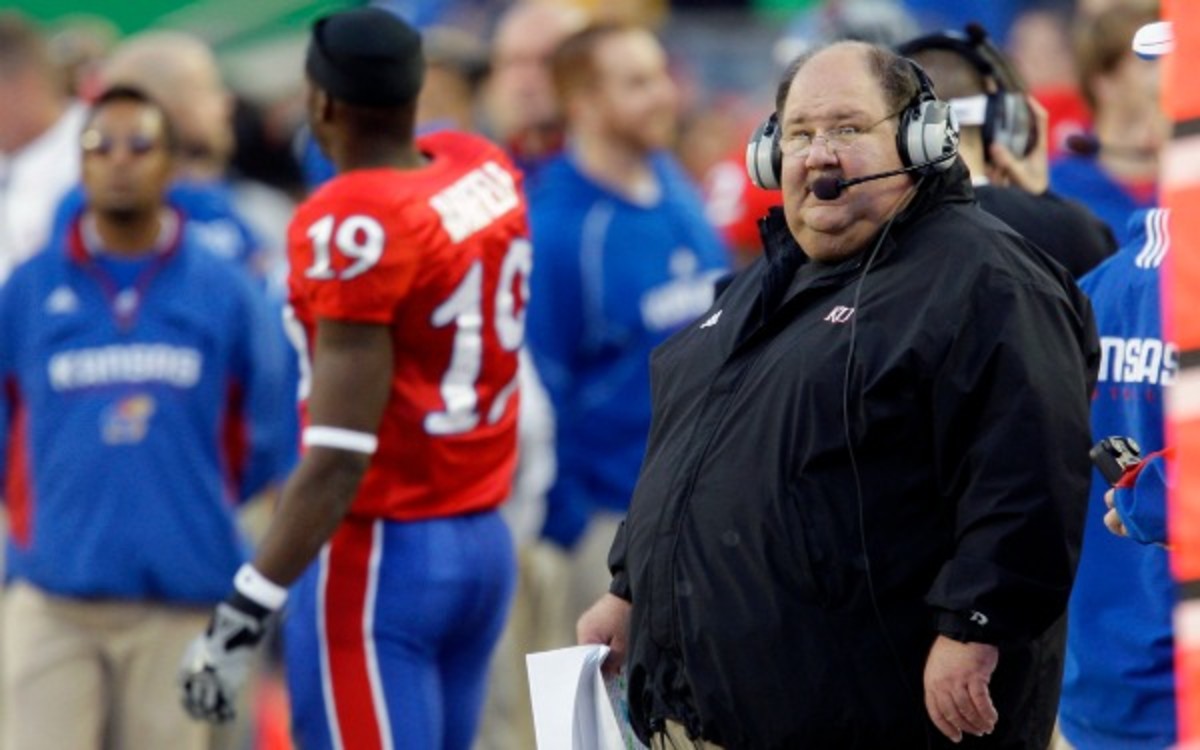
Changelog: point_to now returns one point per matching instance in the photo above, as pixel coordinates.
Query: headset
(1004, 114)
(927, 140)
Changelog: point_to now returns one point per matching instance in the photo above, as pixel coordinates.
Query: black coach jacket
(830, 483)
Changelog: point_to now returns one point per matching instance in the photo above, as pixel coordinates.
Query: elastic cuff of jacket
(259, 589)
(620, 587)
(969, 627)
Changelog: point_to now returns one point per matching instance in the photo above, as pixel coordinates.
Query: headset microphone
(829, 188)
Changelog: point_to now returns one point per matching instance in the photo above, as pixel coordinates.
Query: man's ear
(323, 105)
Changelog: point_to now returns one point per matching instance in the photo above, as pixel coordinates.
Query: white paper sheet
(572, 707)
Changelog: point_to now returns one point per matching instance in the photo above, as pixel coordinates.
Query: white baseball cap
(1154, 40)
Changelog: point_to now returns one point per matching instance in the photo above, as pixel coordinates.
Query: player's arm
(352, 373)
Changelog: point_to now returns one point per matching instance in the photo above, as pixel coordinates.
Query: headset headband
(976, 48)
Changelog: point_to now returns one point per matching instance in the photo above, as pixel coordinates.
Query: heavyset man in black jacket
(860, 510)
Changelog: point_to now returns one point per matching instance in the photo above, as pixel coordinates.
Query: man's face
(200, 108)
(633, 92)
(1128, 98)
(520, 91)
(835, 89)
(126, 163)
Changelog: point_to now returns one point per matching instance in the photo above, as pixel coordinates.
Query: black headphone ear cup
(764, 156)
(993, 129)
(1024, 124)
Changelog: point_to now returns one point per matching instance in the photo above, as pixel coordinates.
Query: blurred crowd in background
(725, 56)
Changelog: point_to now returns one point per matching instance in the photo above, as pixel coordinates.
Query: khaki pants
(675, 738)
(1058, 742)
(95, 674)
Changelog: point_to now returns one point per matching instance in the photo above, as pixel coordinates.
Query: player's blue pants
(388, 634)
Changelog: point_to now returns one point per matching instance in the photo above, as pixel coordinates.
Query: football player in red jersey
(408, 286)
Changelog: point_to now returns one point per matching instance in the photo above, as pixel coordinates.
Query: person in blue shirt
(623, 258)
(137, 409)
(1118, 681)
(1118, 684)
(179, 70)
(1114, 171)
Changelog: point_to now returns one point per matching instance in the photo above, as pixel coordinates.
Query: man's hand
(1111, 519)
(217, 663)
(607, 622)
(1030, 173)
(956, 687)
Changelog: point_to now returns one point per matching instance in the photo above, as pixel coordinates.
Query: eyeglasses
(95, 142)
(841, 138)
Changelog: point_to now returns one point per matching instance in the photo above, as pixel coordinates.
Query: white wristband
(343, 439)
(258, 588)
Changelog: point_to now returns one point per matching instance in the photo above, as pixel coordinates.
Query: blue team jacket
(134, 420)
(1118, 686)
(611, 280)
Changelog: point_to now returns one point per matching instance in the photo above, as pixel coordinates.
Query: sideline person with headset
(1003, 144)
(859, 514)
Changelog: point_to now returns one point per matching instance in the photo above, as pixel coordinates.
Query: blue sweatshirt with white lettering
(1119, 686)
(611, 280)
(138, 406)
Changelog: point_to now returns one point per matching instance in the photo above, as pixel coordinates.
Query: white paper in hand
(571, 707)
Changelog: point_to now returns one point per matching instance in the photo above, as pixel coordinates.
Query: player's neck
(377, 155)
(617, 165)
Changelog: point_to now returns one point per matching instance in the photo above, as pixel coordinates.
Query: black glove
(217, 663)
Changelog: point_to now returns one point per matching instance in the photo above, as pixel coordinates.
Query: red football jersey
(441, 255)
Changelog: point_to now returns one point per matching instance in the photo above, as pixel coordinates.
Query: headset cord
(858, 490)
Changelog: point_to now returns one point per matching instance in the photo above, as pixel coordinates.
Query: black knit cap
(366, 56)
